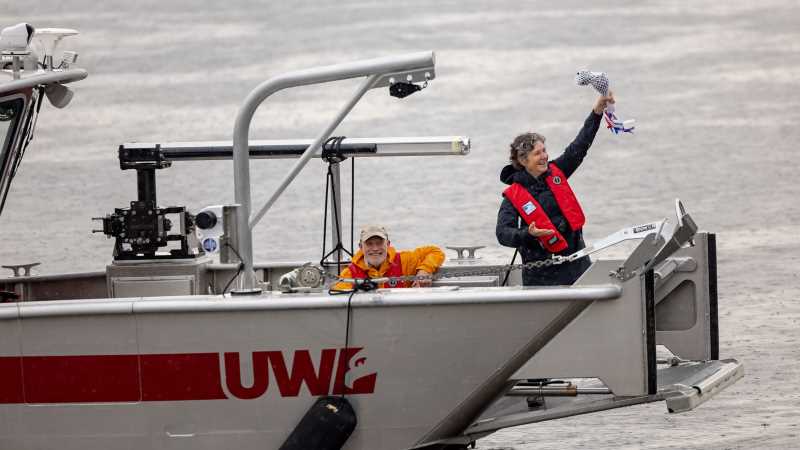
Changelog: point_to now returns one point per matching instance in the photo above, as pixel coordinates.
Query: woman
(540, 214)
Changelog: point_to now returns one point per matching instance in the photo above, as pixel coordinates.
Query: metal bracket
(639, 258)
(15, 61)
(672, 266)
(16, 267)
(686, 396)
(412, 76)
(625, 234)
(682, 234)
(470, 250)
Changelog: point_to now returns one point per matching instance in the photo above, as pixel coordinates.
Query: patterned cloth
(598, 80)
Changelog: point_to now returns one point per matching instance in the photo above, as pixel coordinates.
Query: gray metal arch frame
(377, 72)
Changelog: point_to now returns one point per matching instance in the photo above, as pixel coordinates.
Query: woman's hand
(537, 232)
(603, 101)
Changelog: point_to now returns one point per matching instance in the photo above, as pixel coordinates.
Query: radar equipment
(49, 39)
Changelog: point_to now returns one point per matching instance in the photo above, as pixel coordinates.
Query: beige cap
(369, 231)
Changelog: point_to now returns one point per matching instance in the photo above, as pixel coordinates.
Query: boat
(185, 342)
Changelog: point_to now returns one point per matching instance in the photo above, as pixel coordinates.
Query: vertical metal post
(15, 66)
(242, 185)
(146, 185)
(229, 234)
(20, 289)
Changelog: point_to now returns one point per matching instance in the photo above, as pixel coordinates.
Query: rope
(513, 258)
(347, 326)
(238, 270)
(352, 200)
(365, 285)
(508, 272)
(332, 153)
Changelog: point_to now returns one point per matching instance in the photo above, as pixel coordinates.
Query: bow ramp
(656, 340)
(154, 352)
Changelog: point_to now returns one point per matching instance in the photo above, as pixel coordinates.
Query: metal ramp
(683, 387)
(657, 341)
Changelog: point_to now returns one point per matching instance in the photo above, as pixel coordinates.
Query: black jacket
(512, 231)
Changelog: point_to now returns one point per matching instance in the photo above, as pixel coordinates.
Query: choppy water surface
(713, 86)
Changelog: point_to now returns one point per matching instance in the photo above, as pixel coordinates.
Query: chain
(496, 270)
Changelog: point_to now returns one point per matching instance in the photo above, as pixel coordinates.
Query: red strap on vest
(531, 211)
(395, 270)
(567, 202)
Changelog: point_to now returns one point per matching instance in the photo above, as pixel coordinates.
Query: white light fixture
(16, 38)
(58, 94)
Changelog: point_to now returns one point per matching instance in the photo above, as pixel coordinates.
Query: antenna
(49, 38)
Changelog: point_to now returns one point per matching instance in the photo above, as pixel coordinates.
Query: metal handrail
(377, 72)
(378, 299)
(61, 77)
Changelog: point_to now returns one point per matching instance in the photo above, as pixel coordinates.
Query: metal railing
(378, 72)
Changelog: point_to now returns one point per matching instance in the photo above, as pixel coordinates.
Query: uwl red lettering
(317, 381)
(362, 385)
(178, 376)
(260, 376)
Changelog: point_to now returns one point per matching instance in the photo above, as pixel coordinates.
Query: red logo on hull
(317, 378)
(180, 376)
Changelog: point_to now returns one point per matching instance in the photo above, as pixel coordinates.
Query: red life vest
(395, 270)
(531, 211)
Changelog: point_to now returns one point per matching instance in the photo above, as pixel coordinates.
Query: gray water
(712, 85)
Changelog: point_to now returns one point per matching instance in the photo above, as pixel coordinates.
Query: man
(376, 258)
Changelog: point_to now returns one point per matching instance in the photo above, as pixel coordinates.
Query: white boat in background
(155, 352)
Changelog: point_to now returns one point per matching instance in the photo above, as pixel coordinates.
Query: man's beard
(375, 260)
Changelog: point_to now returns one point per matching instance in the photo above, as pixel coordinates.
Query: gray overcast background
(712, 85)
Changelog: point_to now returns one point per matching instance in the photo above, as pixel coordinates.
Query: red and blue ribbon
(616, 125)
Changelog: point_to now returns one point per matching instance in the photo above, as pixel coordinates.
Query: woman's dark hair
(521, 146)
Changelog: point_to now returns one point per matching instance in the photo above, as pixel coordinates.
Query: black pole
(146, 184)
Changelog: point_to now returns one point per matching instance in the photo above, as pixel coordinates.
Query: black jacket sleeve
(575, 152)
(507, 231)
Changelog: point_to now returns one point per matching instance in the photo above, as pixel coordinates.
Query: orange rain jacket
(428, 258)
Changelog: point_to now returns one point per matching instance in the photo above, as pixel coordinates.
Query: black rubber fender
(326, 426)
